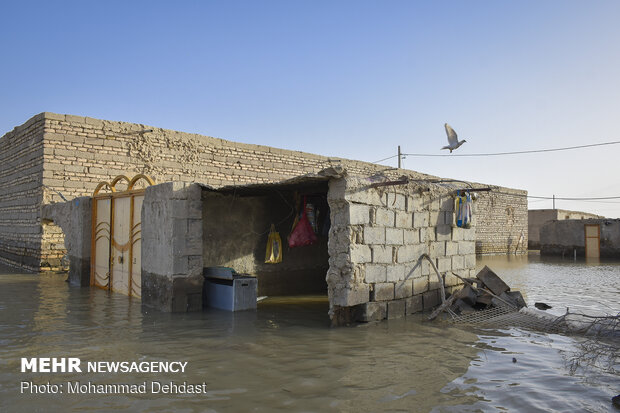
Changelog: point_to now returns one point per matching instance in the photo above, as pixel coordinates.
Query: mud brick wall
(376, 240)
(502, 221)
(81, 152)
(70, 155)
(53, 248)
(21, 168)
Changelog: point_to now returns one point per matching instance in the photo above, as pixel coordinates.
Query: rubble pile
(488, 301)
(485, 291)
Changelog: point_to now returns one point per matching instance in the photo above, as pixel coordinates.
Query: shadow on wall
(53, 252)
(235, 231)
(74, 220)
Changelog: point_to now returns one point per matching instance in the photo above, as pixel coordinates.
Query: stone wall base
(172, 295)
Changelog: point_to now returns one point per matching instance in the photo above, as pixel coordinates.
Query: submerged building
(537, 218)
(198, 202)
(589, 238)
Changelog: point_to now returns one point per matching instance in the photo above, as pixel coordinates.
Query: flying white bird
(453, 141)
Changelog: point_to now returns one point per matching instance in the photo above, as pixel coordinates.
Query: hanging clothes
(463, 210)
(302, 234)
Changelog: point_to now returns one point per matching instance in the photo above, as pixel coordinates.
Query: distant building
(590, 238)
(539, 217)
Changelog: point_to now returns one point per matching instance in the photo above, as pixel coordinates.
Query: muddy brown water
(285, 357)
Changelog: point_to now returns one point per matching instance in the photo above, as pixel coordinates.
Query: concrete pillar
(172, 247)
(75, 219)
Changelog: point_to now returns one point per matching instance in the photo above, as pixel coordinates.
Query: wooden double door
(116, 237)
(117, 244)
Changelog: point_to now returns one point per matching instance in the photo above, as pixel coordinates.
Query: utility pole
(553, 201)
(398, 156)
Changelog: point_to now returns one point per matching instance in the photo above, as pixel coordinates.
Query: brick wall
(52, 247)
(79, 152)
(21, 167)
(501, 225)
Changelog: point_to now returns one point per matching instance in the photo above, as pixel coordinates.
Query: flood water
(285, 357)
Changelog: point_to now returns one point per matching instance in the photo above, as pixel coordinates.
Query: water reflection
(591, 287)
(284, 357)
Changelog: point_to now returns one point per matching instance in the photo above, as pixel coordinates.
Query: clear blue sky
(353, 79)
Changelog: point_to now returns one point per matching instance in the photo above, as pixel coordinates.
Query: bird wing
(452, 137)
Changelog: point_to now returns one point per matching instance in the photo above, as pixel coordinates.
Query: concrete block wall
(377, 238)
(21, 168)
(172, 247)
(502, 221)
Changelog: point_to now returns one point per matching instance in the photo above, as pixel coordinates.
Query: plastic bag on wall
(302, 234)
(273, 255)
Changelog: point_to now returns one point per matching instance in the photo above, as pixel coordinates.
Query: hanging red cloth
(302, 234)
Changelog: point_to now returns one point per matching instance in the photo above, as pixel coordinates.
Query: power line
(385, 159)
(537, 198)
(509, 153)
(600, 202)
(574, 199)
(592, 199)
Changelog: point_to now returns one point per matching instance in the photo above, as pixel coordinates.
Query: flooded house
(537, 218)
(144, 211)
(589, 238)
